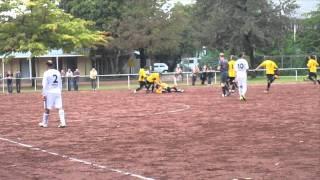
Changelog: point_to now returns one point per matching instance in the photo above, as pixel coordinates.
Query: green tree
(39, 25)
(141, 25)
(243, 25)
(309, 37)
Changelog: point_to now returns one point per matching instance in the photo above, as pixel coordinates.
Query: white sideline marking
(77, 160)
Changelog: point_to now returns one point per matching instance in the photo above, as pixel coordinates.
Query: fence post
(35, 84)
(187, 79)
(128, 81)
(296, 75)
(98, 79)
(2, 75)
(66, 79)
(215, 77)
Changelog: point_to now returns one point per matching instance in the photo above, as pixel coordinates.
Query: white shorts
(53, 101)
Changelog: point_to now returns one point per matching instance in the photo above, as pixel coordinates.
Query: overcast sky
(305, 5)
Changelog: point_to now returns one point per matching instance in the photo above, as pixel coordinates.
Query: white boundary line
(72, 159)
(186, 107)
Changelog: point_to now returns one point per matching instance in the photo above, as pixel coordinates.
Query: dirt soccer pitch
(194, 135)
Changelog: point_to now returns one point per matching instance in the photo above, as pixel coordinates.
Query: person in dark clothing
(76, 75)
(210, 75)
(69, 76)
(9, 82)
(203, 75)
(223, 68)
(18, 81)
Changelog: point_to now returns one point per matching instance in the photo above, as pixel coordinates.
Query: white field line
(185, 107)
(72, 159)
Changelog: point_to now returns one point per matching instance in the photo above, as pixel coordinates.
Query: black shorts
(312, 74)
(231, 79)
(270, 77)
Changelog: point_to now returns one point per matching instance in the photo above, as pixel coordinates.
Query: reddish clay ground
(192, 135)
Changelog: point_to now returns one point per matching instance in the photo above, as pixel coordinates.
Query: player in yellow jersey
(165, 88)
(152, 80)
(312, 66)
(271, 71)
(141, 79)
(232, 74)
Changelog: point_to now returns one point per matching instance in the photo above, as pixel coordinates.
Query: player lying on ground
(165, 88)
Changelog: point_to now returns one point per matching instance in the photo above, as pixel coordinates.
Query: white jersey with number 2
(241, 68)
(51, 82)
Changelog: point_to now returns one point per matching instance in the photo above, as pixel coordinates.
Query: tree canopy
(39, 25)
(309, 37)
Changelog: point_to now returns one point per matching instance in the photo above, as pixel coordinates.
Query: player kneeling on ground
(51, 92)
(165, 88)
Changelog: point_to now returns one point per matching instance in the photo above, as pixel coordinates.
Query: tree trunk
(143, 59)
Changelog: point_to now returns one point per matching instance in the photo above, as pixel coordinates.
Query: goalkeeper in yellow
(312, 66)
(141, 79)
(271, 72)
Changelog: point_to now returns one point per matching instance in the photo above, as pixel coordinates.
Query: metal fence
(129, 81)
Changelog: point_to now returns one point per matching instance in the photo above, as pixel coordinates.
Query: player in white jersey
(51, 92)
(241, 68)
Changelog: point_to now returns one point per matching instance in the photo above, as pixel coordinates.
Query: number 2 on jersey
(55, 80)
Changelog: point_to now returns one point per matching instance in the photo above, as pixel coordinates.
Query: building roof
(51, 53)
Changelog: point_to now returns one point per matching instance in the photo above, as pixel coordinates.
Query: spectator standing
(18, 81)
(63, 75)
(195, 72)
(177, 74)
(76, 78)
(210, 75)
(93, 78)
(69, 76)
(9, 82)
(203, 75)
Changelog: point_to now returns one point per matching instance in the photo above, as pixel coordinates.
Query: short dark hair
(241, 54)
(50, 63)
